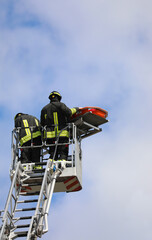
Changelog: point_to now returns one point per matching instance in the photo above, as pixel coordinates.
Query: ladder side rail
(8, 202)
(14, 147)
(3, 228)
(17, 145)
(41, 215)
(11, 190)
(54, 177)
(38, 213)
(12, 150)
(43, 186)
(17, 191)
(46, 205)
(50, 194)
(30, 228)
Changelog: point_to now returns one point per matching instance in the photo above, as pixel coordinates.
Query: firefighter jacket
(24, 122)
(55, 116)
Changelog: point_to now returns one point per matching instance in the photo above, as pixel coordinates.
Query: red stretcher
(88, 119)
(93, 115)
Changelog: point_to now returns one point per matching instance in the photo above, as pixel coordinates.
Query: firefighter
(55, 116)
(29, 135)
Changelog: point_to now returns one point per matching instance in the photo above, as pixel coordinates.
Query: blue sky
(96, 53)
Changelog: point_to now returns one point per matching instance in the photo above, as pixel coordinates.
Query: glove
(77, 108)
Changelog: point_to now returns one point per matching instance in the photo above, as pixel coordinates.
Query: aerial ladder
(32, 184)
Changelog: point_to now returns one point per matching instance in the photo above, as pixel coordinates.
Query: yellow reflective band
(28, 137)
(52, 134)
(64, 133)
(37, 167)
(73, 110)
(44, 134)
(55, 116)
(27, 130)
(36, 134)
(45, 116)
(36, 121)
(25, 139)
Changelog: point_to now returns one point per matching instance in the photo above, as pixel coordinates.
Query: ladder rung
(31, 184)
(23, 218)
(36, 163)
(23, 226)
(40, 163)
(25, 209)
(21, 234)
(36, 178)
(30, 194)
(38, 170)
(28, 201)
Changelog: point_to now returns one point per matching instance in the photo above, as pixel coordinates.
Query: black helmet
(55, 93)
(17, 115)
